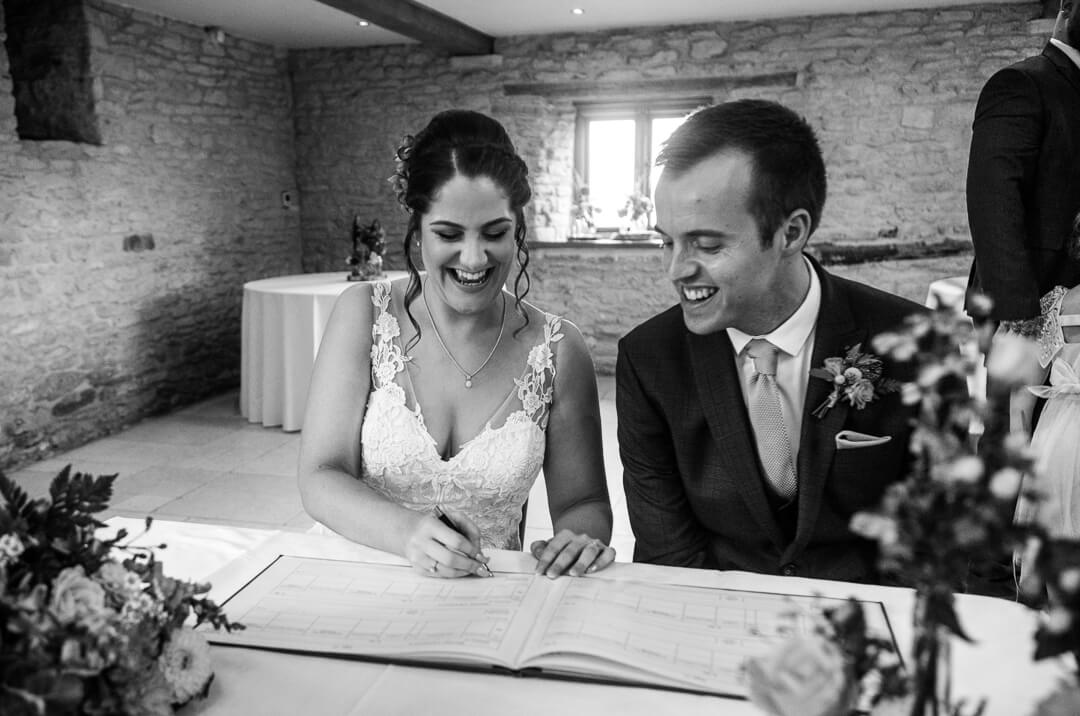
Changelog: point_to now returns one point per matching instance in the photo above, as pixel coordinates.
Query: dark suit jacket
(694, 485)
(1023, 182)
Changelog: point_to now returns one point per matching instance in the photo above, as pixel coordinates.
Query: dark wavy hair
(789, 171)
(460, 142)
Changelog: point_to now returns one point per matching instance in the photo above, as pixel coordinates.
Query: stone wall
(197, 147)
(121, 265)
(606, 292)
(892, 95)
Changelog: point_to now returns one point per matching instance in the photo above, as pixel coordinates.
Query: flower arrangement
(368, 245)
(638, 209)
(856, 377)
(582, 213)
(83, 631)
(954, 509)
(838, 667)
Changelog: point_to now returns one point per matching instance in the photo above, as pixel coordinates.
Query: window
(616, 146)
(48, 47)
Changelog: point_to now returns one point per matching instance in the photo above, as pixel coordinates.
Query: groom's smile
(726, 276)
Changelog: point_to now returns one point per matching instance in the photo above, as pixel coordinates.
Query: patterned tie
(767, 418)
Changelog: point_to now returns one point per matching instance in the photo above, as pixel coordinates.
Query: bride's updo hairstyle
(471, 144)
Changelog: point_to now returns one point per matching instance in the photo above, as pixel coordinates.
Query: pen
(450, 523)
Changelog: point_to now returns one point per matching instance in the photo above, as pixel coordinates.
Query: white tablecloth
(282, 326)
(997, 666)
(947, 292)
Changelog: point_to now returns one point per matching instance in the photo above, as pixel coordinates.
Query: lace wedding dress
(1054, 441)
(490, 477)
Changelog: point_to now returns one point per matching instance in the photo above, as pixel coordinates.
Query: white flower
(852, 374)
(967, 469)
(1006, 483)
(1069, 580)
(119, 580)
(802, 676)
(140, 606)
(10, 548)
(1059, 620)
(1014, 360)
(76, 597)
(185, 662)
(874, 526)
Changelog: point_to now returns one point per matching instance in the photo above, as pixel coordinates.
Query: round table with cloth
(282, 326)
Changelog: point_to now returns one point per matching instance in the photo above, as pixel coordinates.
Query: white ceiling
(309, 23)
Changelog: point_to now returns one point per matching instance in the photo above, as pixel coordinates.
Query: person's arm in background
(1001, 168)
(665, 528)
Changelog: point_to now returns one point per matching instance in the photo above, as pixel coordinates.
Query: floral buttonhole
(856, 377)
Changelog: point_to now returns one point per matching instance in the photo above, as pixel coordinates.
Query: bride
(443, 395)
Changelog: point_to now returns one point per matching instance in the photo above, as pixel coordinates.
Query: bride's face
(467, 243)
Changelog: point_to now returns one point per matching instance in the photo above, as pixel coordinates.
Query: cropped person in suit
(1023, 181)
(725, 466)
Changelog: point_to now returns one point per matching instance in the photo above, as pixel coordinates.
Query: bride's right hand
(439, 551)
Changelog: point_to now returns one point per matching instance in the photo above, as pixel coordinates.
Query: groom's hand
(570, 553)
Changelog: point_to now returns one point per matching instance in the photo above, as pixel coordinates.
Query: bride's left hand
(571, 553)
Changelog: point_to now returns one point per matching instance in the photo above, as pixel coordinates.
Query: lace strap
(535, 388)
(387, 359)
(1049, 337)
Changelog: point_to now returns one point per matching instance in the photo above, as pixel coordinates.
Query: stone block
(917, 117)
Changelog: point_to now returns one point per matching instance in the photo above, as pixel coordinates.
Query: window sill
(642, 240)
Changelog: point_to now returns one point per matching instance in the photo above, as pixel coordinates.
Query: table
(282, 325)
(998, 666)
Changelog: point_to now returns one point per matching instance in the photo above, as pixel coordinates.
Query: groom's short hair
(789, 171)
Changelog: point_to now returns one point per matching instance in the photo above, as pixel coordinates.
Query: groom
(725, 467)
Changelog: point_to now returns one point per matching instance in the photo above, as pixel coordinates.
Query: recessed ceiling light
(362, 23)
(577, 11)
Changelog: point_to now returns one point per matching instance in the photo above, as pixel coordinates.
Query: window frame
(642, 112)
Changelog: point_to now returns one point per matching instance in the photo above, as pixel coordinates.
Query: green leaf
(16, 499)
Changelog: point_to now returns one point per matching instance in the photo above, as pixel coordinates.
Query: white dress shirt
(1071, 52)
(795, 339)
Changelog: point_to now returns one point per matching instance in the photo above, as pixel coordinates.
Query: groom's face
(713, 252)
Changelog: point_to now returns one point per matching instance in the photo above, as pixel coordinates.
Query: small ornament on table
(368, 244)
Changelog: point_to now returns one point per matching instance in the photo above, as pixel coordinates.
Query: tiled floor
(206, 463)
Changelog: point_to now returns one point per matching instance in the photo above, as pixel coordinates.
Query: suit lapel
(836, 331)
(718, 384)
(1064, 65)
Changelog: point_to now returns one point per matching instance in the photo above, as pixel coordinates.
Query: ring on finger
(435, 566)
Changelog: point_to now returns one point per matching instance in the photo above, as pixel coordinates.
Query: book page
(359, 609)
(684, 637)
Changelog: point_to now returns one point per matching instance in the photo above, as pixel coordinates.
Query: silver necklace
(468, 376)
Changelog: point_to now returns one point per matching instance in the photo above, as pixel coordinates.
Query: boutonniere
(856, 378)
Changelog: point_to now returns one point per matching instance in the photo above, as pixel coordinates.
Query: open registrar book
(658, 635)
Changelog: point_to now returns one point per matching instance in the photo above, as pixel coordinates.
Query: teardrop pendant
(468, 382)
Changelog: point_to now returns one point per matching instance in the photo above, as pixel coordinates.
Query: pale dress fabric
(490, 477)
(1055, 442)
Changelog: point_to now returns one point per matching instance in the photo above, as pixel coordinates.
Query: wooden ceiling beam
(419, 22)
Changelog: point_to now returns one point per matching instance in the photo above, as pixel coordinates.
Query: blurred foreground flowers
(81, 631)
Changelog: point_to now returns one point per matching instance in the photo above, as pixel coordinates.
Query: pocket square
(852, 440)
